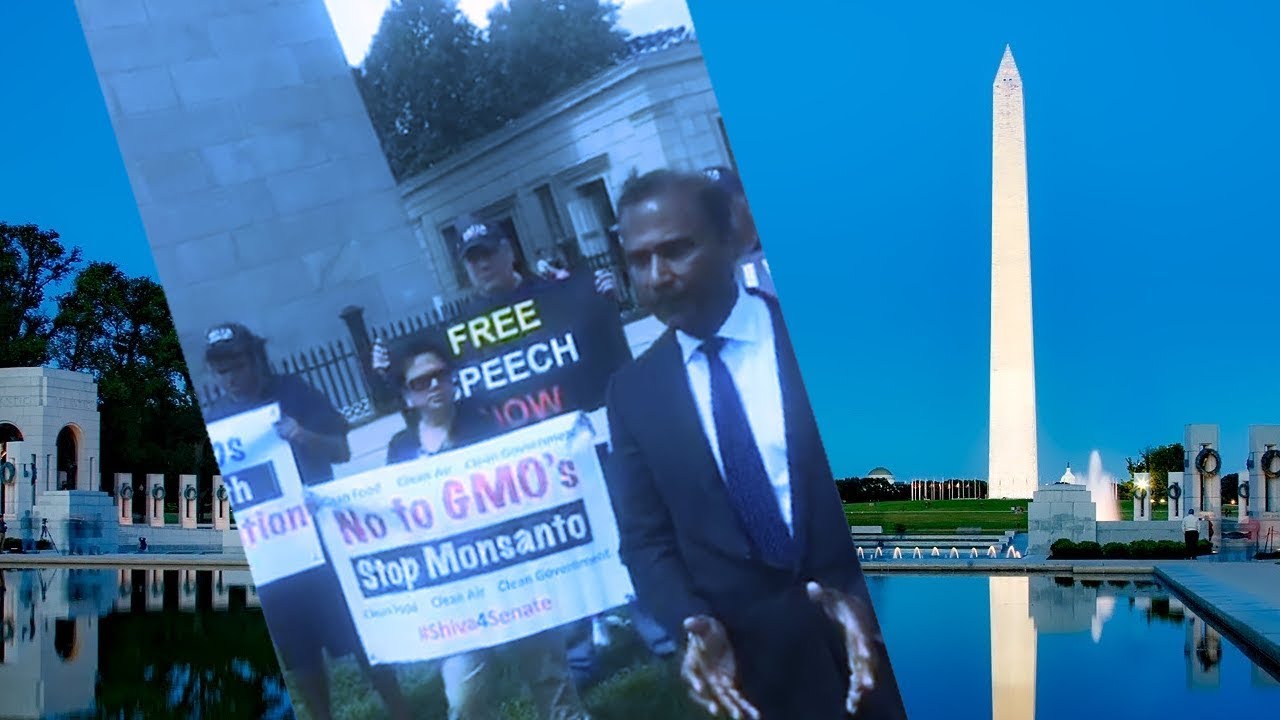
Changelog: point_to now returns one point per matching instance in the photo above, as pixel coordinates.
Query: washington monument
(1013, 469)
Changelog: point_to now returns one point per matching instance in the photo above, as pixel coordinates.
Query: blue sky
(863, 133)
(864, 142)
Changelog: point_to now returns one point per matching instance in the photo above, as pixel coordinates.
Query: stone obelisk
(1013, 470)
(1013, 649)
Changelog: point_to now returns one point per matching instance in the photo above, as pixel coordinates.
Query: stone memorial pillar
(1204, 655)
(1177, 495)
(1142, 497)
(188, 501)
(155, 500)
(187, 590)
(221, 508)
(221, 594)
(124, 590)
(1244, 489)
(155, 590)
(1264, 469)
(124, 497)
(1204, 463)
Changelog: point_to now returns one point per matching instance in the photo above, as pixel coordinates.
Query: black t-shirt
(564, 306)
(576, 320)
(307, 406)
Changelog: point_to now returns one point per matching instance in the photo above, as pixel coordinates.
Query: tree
(118, 329)
(1230, 487)
(1159, 461)
(423, 84)
(31, 261)
(432, 81)
(538, 49)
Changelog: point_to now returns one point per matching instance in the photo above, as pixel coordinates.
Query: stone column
(188, 501)
(1142, 497)
(221, 596)
(1264, 491)
(187, 590)
(1177, 506)
(155, 506)
(1204, 654)
(155, 590)
(124, 505)
(1206, 486)
(221, 508)
(124, 590)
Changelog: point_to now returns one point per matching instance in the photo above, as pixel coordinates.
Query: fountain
(1101, 487)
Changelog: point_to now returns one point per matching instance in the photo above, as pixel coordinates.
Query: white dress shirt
(751, 357)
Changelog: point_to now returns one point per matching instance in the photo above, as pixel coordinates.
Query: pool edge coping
(1243, 631)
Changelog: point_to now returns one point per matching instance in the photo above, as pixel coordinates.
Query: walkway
(1244, 597)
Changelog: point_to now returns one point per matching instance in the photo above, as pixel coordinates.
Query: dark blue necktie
(745, 476)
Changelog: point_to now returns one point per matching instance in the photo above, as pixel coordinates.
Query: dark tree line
(433, 81)
(115, 328)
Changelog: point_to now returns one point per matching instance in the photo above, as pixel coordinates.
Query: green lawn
(943, 516)
(633, 684)
(940, 516)
(1158, 512)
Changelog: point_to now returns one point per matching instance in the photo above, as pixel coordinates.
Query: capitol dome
(1068, 478)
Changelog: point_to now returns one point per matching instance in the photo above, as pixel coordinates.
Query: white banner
(476, 547)
(265, 492)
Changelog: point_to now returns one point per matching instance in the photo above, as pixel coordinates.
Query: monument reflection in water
(1017, 647)
(128, 643)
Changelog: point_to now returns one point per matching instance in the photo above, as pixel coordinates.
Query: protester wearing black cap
(753, 268)
(585, 305)
(305, 611)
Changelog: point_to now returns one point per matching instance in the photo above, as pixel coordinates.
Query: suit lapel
(804, 445)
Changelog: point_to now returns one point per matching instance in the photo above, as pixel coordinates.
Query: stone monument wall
(261, 184)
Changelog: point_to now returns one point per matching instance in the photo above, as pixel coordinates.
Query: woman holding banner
(425, 375)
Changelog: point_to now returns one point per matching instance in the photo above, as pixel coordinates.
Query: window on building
(591, 214)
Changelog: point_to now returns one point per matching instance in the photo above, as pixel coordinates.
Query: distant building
(881, 473)
(552, 178)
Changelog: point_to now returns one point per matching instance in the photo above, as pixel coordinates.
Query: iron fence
(341, 369)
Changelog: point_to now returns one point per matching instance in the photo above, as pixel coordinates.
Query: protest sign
(265, 492)
(547, 349)
(476, 547)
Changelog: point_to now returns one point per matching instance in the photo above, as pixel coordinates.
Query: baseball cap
(725, 179)
(229, 339)
(477, 234)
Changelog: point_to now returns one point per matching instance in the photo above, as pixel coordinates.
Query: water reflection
(133, 643)
(1021, 647)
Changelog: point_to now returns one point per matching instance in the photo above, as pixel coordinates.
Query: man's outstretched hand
(843, 609)
(711, 671)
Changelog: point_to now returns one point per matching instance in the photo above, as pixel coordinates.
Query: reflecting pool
(193, 644)
(1018, 647)
(135, 644)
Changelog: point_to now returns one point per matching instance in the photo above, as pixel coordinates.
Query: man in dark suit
(730, 523)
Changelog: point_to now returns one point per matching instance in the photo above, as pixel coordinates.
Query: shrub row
(1065, 549)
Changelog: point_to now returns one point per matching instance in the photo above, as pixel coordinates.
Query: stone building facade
(553, 177)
